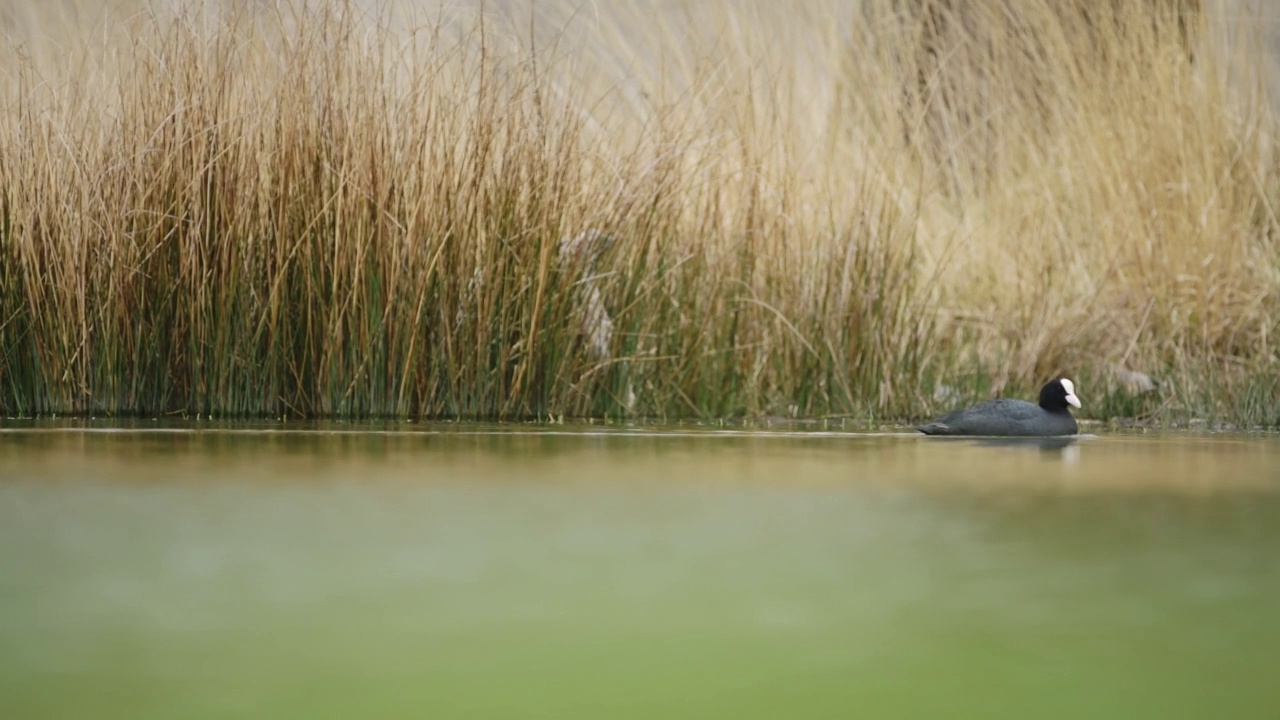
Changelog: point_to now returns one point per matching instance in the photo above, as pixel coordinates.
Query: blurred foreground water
(523, 571)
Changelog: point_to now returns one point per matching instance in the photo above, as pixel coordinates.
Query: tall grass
(805, 209)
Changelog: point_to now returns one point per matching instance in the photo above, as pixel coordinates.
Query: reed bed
(674, 210)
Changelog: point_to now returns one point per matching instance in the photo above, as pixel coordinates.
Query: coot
(1014, 417)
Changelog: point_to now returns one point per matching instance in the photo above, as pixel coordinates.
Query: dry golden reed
(698, 209)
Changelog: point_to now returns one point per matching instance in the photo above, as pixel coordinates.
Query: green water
(489, 572)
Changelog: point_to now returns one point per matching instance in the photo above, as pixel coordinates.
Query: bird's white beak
(1070, 387)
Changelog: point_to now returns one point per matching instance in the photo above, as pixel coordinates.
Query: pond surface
(476, 571)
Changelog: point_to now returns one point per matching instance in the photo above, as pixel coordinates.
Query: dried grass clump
(700, 209)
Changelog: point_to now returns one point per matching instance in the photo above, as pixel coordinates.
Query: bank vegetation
(714, 209)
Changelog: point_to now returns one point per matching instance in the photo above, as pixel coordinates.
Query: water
(508, 572)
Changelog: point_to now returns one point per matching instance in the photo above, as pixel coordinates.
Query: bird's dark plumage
(1008, 417)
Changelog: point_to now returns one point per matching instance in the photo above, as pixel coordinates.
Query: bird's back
(1006, 416)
